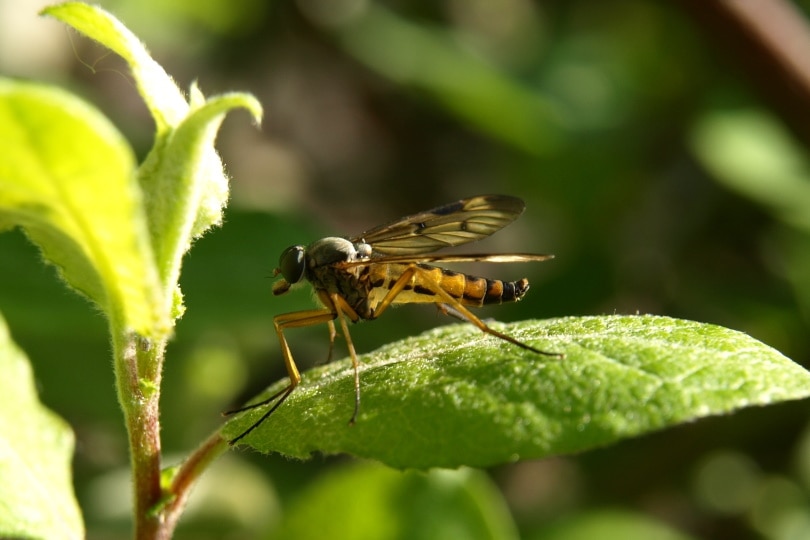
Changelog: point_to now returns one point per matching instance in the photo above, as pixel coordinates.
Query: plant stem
(138, 371)
(187, 474)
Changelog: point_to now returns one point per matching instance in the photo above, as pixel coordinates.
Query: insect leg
(344, 310)
(297, 319)
(451, 303)
(332, 336)
(448, 310)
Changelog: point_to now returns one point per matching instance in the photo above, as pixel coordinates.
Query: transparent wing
(453, 224)
(472, 257)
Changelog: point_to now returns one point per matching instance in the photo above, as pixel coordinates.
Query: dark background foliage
(592, 112)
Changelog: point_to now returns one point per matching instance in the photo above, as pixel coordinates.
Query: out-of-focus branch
(770, 42)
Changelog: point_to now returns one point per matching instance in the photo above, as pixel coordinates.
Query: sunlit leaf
(67, 177)
(184, 185)
(455, 397)
(164, 99)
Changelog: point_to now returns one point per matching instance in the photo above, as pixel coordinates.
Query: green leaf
(162, 96)
(184, 185)
(376, 502)
(184, 181)
(454, 396)
(36, 447)
(66, 177)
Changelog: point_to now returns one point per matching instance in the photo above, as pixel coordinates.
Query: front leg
(343, 308)
(298, 319)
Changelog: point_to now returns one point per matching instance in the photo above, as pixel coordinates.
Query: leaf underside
(454, 396)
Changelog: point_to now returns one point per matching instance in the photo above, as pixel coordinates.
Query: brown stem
(186, 475)
(138, 364)
(138, 367)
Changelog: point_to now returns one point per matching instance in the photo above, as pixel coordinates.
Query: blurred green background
(660, 153)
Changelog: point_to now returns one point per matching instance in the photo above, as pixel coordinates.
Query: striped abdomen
(467, 289)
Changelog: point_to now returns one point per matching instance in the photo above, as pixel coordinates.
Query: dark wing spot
(449, 208)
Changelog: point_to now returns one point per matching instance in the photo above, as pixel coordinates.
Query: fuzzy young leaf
(184, 185)
(67, 177)
(162, 96)
(184, 181)
(454, 397)
(36, 448)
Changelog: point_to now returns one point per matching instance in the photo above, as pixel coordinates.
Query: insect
(359, 278)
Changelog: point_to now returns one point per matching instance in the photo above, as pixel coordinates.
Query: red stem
(138, 377)
(188, 473)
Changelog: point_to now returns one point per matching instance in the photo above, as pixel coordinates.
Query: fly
(358, 278)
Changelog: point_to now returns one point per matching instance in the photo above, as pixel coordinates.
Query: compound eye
(291, 264)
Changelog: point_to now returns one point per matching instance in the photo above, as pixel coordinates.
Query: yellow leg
(425, 280)
(344, 310)
(332, 336)
(297, 319)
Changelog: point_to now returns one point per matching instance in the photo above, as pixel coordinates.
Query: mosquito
(358, 278)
